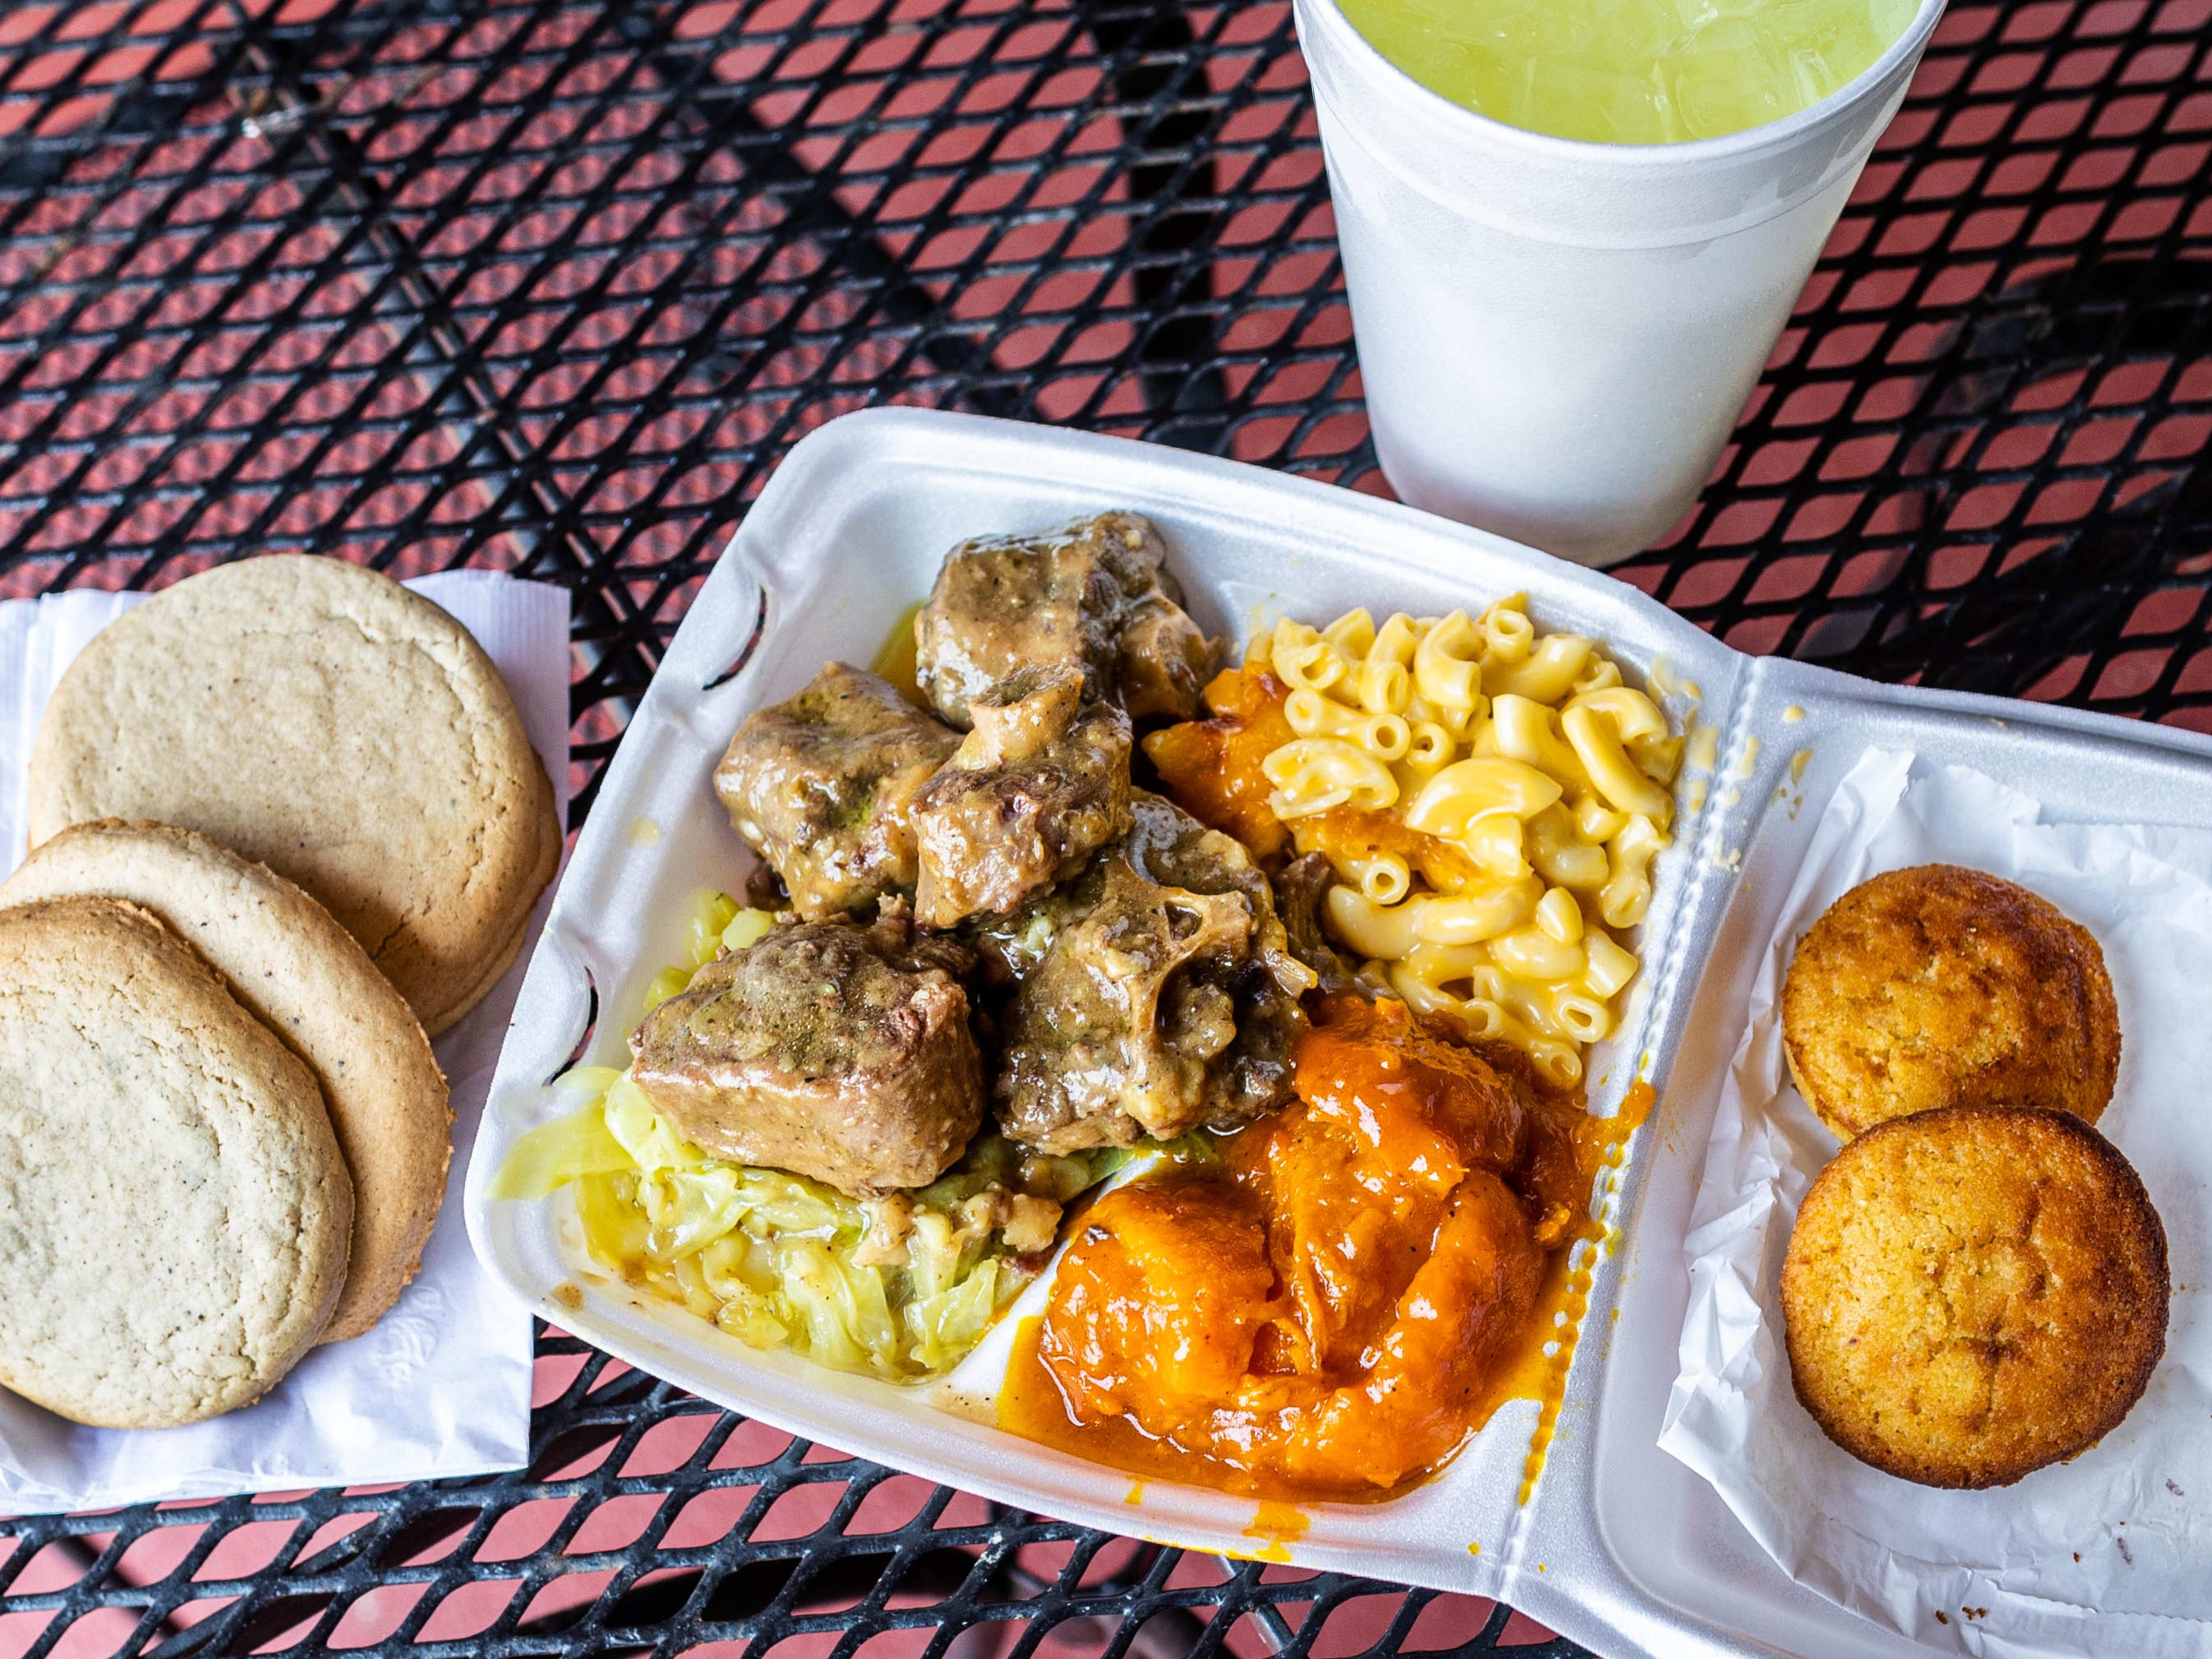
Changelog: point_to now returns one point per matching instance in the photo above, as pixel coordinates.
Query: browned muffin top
(1970, 1294)
(1941, 987)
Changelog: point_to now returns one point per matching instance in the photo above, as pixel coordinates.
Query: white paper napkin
(441, 1386)
(2110, 1554)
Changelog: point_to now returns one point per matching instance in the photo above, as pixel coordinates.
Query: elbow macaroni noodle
(1312, 774)
(1524, 753)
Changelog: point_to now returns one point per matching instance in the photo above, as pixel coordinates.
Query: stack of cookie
(1977, 1284)
(286, 826)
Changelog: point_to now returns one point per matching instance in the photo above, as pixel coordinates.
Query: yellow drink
(1632, 72)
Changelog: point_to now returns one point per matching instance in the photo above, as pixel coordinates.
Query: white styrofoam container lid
(1620, 1546)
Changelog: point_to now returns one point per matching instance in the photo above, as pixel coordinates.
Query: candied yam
(1161, 1299)
(1211, 767)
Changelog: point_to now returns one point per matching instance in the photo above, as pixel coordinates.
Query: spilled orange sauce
(1557, 1321)
(1278, 1526)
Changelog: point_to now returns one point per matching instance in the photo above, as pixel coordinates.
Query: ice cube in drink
(1632, 72)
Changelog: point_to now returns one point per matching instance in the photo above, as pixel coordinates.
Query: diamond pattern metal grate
(551, 286)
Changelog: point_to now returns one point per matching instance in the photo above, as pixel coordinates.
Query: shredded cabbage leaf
(901, 1288)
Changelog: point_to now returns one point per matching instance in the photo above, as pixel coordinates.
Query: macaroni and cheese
(1537, 787)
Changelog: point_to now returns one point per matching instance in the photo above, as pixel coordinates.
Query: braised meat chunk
(1301, 889)
(1112, 1035)
(828, 1048)
(1154, 994)
(1095, 595)
(1041, 784)
(822, 786)
(1168, 845)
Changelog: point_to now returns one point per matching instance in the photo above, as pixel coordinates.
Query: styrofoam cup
(1557, 337)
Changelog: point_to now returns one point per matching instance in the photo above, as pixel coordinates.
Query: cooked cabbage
(901, 1287)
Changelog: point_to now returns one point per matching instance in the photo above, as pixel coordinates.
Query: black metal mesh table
(551, 286)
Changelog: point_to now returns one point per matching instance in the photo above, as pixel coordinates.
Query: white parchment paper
(2109, 1554)
(441, 1385)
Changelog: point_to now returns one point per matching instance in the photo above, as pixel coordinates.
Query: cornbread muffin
(174, 1211)
(303, 976)
(1974, 1292)
(321, 719)
(1941, 987)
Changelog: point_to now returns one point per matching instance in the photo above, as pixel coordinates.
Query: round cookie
(323, 721)
(177, 1210)
(304, 977)
(1972, 1293)
(1940, 987)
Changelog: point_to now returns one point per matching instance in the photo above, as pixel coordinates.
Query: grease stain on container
(896, 659)
(644, 832)
(973, 1408)
(1703, 751)
(1665, 683)
(1791, 792)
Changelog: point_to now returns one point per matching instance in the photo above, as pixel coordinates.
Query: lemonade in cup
(1558, 328)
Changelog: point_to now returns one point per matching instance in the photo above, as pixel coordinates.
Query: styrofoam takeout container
(1618, 1546)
